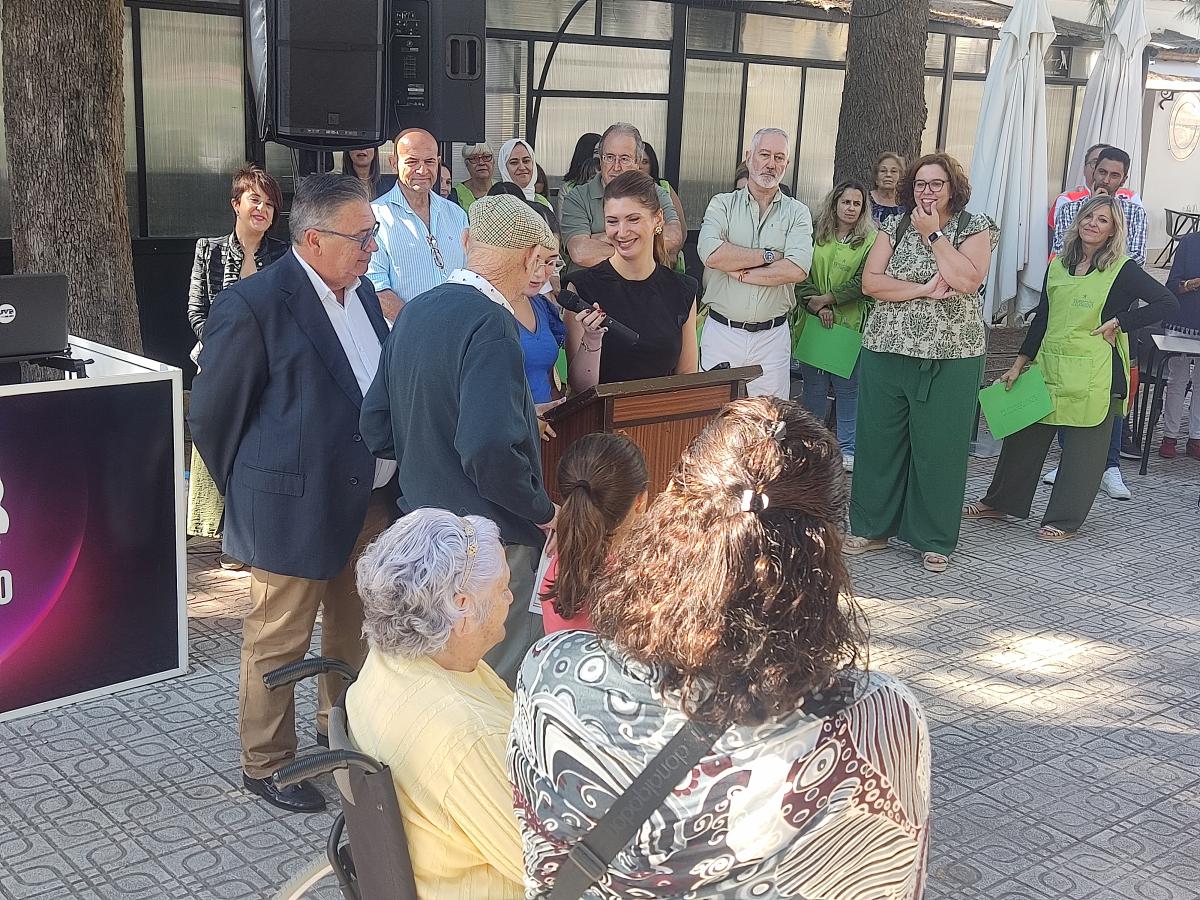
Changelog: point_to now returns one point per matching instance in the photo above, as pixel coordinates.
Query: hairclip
(778, 430)
(472, 552)
(754, 501)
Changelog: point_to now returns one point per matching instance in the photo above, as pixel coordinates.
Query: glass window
(636, 19)
(505, 96)
(564, 119)
(710, 151)
(971, 55)
(933, 111)
(772, 101)
(710, 29)
(5, 187)
(1058, 134)
(542, 15)
(1083, 61)
(966, 97)
(798, 38)
(194, 118)
(822, 106)
(935, 52)
(584, 67)
(1057, 61)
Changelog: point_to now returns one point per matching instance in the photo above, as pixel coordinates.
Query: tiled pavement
(1061, 681)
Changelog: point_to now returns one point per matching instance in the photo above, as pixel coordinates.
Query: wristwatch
(934, 237)
(768, 257)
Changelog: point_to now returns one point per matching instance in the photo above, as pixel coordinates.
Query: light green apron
(834, 264)
(1077, 364)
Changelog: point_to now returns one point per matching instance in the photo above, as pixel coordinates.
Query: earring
(658, 229)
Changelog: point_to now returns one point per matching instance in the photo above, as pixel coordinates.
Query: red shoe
(1168, 448)
(1193, 448)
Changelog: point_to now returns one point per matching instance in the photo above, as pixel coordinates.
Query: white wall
(1170, 182)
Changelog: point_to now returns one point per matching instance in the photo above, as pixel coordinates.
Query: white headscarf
(505, 153)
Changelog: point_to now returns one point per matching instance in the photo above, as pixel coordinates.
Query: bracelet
(583, 346)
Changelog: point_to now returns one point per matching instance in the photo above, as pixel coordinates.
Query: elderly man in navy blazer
(288, 354)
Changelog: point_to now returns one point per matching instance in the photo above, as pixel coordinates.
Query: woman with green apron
(1079, 339)
(833, 294)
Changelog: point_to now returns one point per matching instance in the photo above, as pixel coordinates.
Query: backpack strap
(960, 223)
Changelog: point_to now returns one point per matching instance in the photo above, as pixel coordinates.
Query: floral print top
(929, 329)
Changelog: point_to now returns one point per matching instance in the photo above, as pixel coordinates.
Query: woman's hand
(936, 288)
(1009, 378)
(818, 302)
(1109, 331)
(926, 223)
(543, 426)
(826, 316)
(590, 319)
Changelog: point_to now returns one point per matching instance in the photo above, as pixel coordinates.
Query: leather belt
(747, 326)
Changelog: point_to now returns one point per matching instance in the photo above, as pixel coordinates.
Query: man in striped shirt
(420, 232)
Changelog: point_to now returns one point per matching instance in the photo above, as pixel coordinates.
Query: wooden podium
(661, 415)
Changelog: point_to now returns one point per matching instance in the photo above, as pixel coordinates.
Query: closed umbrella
(1008, 169)
(1112, 102)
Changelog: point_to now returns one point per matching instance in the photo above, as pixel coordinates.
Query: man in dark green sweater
(451, 405)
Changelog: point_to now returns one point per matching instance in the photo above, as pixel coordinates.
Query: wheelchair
(378, 866)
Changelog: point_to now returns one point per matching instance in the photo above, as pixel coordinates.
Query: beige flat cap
(505, 221)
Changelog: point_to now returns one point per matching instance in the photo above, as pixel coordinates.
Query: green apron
(834, 264)
(465, 197)
(1077, 364)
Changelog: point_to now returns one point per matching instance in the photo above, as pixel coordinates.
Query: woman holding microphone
(1079, 338)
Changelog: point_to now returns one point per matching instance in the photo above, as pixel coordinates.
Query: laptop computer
(33, 316)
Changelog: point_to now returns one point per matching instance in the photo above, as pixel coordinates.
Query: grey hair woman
(434, 589)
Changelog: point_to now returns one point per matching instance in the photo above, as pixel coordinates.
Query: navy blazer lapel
(308, 312)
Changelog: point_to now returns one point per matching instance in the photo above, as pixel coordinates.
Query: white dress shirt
(359, 342)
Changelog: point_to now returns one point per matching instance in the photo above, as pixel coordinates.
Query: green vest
(1077, 364)
(680, 262)
(833, 264)
(465, 197)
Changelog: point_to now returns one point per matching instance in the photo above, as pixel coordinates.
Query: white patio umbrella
(1112, 101)
(1008, 169)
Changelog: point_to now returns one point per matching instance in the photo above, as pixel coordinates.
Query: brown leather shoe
(1193, 448)
(1168, 449)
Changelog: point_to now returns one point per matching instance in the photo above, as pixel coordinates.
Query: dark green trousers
(915, 418)
(1084, 457)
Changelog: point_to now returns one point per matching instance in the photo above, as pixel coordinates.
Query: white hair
(626, 129)
(409, 576)
(762, 133)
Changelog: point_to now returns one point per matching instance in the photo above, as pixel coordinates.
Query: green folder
(1008, 412)
(829, 349)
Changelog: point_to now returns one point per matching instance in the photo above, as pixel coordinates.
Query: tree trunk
(883, 100)
(64, 122)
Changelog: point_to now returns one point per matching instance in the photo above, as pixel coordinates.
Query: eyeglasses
(363, 242)
(556, 263)
(611, 159)
(481, 157)
(936, 185)
(437, 254)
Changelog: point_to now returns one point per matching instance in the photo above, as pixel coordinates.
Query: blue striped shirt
(405, 262)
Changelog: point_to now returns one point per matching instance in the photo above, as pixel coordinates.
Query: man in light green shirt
(582, 226)
(756, 246)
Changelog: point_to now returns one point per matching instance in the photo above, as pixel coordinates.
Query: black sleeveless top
(655, 308)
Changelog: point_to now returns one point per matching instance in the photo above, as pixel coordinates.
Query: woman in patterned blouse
(729, 604)
(920, 367)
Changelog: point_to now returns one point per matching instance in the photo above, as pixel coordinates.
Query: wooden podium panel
(661, 415)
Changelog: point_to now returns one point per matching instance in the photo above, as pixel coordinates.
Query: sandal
(934, 562)
(978, 511)
(1050, 533)
(854, 545)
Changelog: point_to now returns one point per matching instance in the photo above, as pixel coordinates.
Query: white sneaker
(848, 462)
(1049, 477)
(1113, 485)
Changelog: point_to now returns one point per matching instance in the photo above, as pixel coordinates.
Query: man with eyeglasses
(420, 232)
(582, 226)
(288, 354)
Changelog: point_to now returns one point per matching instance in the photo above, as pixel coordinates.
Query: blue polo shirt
(405, 262)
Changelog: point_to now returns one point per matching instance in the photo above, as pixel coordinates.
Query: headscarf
(505, 153)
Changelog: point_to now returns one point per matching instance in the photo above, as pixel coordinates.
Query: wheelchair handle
(322, 763)
(306, 668)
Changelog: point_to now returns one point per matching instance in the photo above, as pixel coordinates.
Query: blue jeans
(845, 391)
(1114, 446)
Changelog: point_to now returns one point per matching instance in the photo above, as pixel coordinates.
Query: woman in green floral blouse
(921, 363)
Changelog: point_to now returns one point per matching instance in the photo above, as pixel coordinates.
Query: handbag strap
(589, 858)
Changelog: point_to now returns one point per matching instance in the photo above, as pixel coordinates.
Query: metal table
(1162, 350)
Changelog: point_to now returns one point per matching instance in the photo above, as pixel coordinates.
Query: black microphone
(570, 300)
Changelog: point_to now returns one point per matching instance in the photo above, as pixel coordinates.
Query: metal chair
(1177, 225)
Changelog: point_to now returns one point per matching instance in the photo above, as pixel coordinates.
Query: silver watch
(769, 257)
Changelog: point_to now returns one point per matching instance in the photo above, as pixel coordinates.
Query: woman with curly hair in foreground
(729, 604)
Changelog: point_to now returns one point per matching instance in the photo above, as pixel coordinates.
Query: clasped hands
(822, 305)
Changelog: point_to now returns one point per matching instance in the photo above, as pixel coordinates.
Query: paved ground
(1061, 681)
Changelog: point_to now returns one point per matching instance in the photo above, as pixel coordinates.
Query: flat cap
(505, 221)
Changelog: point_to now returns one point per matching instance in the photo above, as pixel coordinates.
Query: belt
(747, 326)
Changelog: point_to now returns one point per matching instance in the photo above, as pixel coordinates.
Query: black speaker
(341, 74)
(437, 60)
